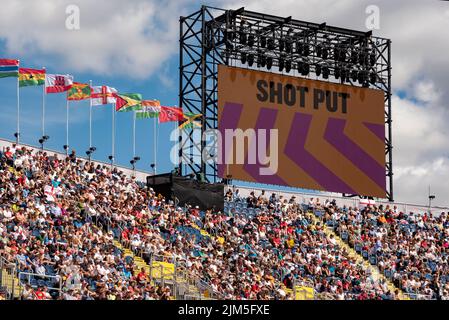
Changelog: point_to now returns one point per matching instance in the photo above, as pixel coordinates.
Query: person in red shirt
(41, 294)
(142, 277)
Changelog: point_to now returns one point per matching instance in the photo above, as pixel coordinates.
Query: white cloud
(136, 39)
(132, 38)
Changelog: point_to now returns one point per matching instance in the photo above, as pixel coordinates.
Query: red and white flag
(103, 95)
(167, 114)
(50, 193)
(55, 83)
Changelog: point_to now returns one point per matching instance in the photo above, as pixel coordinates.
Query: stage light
(288, 47)
(372, 58)
(325, 72)
(281, 45)
(251, 40)
(111, 158)
(354, 75)
(372, 78)
(337, 72)
(263, 41)
(270, 44)
(288, 65)
(363, 58)
(243, 38)
(299, 48)
(269, 62)
(41, 141)
(242, 33)
(261, 60)
(325, 53)
(136, 158)
(281, 64)
(306, 50)
(250, 59)
(66, 147)
(243, 57)
(354, 56)
(318, 70)
(319, 50)
(362, 77)
(303, 68)
(344, 75)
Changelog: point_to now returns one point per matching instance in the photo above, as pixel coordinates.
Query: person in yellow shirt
(290, 242)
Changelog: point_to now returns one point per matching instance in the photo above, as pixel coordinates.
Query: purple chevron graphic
(377, 129)
(295, 150)
(230, 118)
(336, 137)
(266, 120)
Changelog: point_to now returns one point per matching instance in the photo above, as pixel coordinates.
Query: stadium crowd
(50, 207)
(409, 248)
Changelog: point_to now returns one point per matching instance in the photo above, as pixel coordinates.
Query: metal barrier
(25, 278)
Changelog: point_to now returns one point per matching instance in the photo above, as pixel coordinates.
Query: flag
(188, 121)
(9, 68)
(49, 191)
(150, 109)
(55, 83)
(79, 91)
(31, 77)
(170, 114)
(103, 95)
(151, 103)
(146, 113)
(128, 102)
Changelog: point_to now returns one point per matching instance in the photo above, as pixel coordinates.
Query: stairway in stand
(10, 284)
(376, 274)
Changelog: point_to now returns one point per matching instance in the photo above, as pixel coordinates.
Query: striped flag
(102, 95)
(9, 68)
(31, 77)
(150, 109)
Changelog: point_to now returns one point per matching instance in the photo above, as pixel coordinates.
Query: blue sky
(133, 46)
(31, 115)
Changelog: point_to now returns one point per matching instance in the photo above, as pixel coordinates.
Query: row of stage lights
(349, 63)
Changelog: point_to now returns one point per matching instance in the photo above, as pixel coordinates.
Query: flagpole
(90, 119)
(154, 145)
(134, 133)
(113, 133)
(67, 128)
(18, 107)
(43, 106)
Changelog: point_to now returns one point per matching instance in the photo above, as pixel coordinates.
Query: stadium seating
(74, 230)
